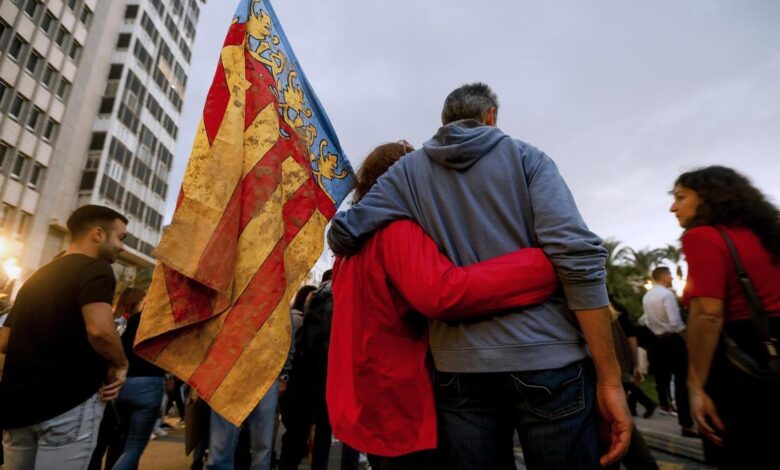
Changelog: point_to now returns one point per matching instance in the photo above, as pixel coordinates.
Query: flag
(265, 175)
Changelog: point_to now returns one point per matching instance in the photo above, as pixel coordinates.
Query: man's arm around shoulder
(385, 202)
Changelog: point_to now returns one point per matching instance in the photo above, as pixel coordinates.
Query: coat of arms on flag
(265, 175)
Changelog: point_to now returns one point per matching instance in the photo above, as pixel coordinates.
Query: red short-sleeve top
(712, 273)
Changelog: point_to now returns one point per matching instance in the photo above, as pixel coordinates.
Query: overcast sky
(624, 96)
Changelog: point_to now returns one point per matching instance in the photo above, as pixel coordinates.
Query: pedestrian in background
(670, 355)
(139, 401)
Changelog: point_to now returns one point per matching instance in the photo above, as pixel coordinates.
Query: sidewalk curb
(664, 434)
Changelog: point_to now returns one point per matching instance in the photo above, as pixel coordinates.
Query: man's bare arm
(5, 333)
(104, 339)
(102, 333)
(596, 326)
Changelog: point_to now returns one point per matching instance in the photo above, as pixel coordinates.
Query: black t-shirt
(50, 366)
(139, 367)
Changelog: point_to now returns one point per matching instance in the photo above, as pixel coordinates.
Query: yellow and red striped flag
(265, 175)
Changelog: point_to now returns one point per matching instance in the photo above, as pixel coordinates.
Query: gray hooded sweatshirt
(480, 194)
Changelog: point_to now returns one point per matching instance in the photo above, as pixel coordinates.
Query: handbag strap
(757, 311)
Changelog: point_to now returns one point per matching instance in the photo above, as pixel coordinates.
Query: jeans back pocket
(552, 394)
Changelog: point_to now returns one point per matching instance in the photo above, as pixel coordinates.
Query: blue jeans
(553, 412)
(139, 400)
(223, 436)
(64, 442)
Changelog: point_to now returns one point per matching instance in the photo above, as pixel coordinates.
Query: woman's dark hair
(129, 301)
(376, 164)
(728, 198)
(300, 297)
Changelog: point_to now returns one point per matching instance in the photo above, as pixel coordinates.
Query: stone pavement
(662, 433)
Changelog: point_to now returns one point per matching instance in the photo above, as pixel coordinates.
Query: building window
(6, 214)
(31, 7)
(24, 223)
(148, 26)
(4, 32)
(35, 178)
(72, 4)
(48, 76)
(115, 72)
(106, 106)
(19, 163)
(86, 15)
(34, 119)
(3, 90)
(3, 153)
(63, 89)
(157, 4)
(124, 41)
(17, 47)
(131, 12)
(111, 190)
(48, 22)
(75, 51)
(50, 132)
(62, 36)
(17, 106)
(98, 141)
(120, 153)
(33, 63)
(143, 56)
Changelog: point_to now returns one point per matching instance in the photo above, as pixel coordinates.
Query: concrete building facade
(91, 95)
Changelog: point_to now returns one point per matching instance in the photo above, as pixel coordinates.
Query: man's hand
(705, 415)
(114, 381)
(614, 410)
(639, 377)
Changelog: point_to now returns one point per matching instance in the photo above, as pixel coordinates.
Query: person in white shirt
(669, 355)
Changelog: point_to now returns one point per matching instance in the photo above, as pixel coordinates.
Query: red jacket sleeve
(707, 264)
(435, 287)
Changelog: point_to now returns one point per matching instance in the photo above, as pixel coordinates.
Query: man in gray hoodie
(545, 371)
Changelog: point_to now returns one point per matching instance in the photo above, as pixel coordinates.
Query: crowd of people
(467, 307)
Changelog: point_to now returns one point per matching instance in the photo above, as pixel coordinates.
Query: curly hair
(729, 198)
(376, 164)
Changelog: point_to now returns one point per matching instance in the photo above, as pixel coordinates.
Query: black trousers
(670, 359)
(636, 395)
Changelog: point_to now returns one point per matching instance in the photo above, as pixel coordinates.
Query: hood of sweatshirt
(459, 144)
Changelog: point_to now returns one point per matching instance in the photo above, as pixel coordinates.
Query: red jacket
(379, 392)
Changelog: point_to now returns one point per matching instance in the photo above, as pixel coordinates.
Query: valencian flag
(265, 175)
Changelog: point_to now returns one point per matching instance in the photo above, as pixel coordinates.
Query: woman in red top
(379, 390)
(730, 410)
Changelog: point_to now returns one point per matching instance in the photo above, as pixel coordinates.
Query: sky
(623, 96)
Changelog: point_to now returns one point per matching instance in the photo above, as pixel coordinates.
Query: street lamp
(12, 269)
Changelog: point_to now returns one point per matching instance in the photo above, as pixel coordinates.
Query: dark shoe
(648, 412)
(689, 432)
(633, 411)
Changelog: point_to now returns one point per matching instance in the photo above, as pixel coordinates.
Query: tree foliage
(628, 270)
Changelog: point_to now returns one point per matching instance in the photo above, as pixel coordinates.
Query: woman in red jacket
(730, 408)
(379, 390)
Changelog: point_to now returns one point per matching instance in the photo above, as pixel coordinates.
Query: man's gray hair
(470, 101)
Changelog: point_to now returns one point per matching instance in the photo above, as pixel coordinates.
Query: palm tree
(644, 261)
(674, 254)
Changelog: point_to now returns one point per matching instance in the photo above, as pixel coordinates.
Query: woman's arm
(435, 287)
(705, 324)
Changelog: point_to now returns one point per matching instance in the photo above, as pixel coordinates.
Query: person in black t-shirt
(64, 357)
